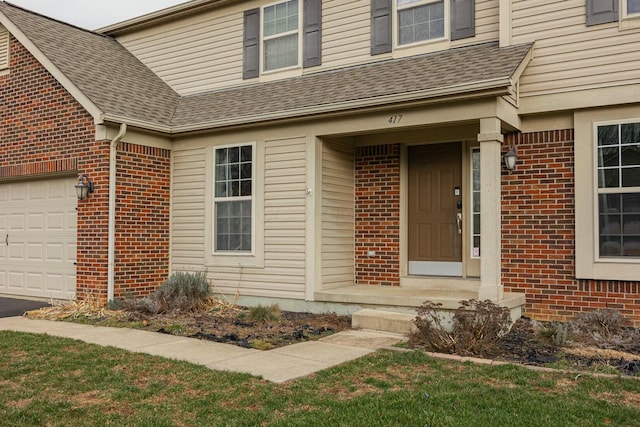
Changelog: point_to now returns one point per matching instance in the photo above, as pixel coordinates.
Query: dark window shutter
(251, 44)
(312, 39)
(463, 19)
(381, 37)
(601, 11)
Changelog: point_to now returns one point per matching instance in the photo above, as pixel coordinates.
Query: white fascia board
(86, 103)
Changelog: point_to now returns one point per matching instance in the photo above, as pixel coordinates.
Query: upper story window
(419, 20)
(402, 23)
(618, 170)
(280, 35)
(605, 11)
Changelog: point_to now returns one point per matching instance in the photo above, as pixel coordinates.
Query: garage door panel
(40, 219)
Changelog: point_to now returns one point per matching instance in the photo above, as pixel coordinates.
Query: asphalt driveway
(10, 307)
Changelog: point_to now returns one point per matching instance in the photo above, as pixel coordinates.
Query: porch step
(386, 321)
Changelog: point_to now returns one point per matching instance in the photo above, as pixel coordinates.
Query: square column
(490, 139)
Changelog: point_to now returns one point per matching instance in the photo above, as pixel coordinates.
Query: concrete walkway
(278, 366)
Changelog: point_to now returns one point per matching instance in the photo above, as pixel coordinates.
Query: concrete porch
(393, 308)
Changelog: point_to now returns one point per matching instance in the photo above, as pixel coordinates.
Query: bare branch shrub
(477, 327)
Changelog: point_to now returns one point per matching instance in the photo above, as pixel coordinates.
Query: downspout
(113, 153)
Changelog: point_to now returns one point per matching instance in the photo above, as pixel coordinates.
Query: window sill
(402, 51)
(629, 22)
(626, 270)
(283, 73)
(235, 260)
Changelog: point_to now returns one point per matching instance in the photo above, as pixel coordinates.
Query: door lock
(459, 204)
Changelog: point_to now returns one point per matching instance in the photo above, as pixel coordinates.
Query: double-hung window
(233, 199)
(281, 35)
(419, 20)
(618, 194)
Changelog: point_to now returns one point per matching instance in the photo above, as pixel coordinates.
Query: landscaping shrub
(264, 313)
(476, 328)
(181, 292)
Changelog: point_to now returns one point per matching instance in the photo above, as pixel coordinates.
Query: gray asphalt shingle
(120, 85)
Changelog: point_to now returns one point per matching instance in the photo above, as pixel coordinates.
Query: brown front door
(435, 210)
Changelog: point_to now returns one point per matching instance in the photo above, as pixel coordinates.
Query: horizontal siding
(284, 189)
(188, 207)
(570, 56)
(338, 216)
(193, 55)
(201, 53)
(487, 23)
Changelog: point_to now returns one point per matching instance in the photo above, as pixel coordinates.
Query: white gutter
(113, 153)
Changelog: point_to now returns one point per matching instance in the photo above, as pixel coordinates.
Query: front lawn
(54, 381)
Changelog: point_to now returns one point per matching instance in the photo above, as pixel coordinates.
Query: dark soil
(235, 327)
(525, 344)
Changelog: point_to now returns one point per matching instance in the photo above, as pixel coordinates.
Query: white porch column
(490, 139)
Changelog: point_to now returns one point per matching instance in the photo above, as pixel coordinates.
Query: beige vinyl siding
(570, 56)
(188, 209)
(346, 32)
(338, 215)
(284, 188)
(4, 48)
(487, 23)
(193, 55)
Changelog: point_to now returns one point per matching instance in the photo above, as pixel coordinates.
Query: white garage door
(38, 238)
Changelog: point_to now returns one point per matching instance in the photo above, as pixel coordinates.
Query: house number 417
(395, 120)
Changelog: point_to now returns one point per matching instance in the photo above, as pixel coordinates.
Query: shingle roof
(110, 76)
(372, 83)
(121, 86)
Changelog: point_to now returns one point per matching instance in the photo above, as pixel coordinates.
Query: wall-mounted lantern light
(510, 158)
(84, 187)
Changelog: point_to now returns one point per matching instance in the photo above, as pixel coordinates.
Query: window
(233, 199)
(419, 20)
(280, 35)
(633, 6)
(475, 203)
(618, 168)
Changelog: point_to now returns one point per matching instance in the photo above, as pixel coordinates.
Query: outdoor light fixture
(510, 158)
(84, 187)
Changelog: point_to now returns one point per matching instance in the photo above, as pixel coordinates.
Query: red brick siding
(377, 201)
(538, 234)
(44, 130)
(142, 224)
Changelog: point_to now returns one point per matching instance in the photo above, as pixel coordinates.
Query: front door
(435, 210)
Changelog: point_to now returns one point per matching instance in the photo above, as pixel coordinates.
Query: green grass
(58, 382)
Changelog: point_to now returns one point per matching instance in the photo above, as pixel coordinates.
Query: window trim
(588, 265)
(625, 20)
(299, 31)
(255, 258)
(610, 190)
(395, 26)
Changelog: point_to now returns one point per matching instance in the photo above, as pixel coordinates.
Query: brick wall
(142, 225)
(538, 234)
(43, 131)
(377, 201)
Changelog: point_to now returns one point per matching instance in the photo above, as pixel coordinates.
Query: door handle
(6, 240)
(459, 221)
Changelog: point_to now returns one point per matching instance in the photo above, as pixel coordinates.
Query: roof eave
(86, 103)
(493, 87)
